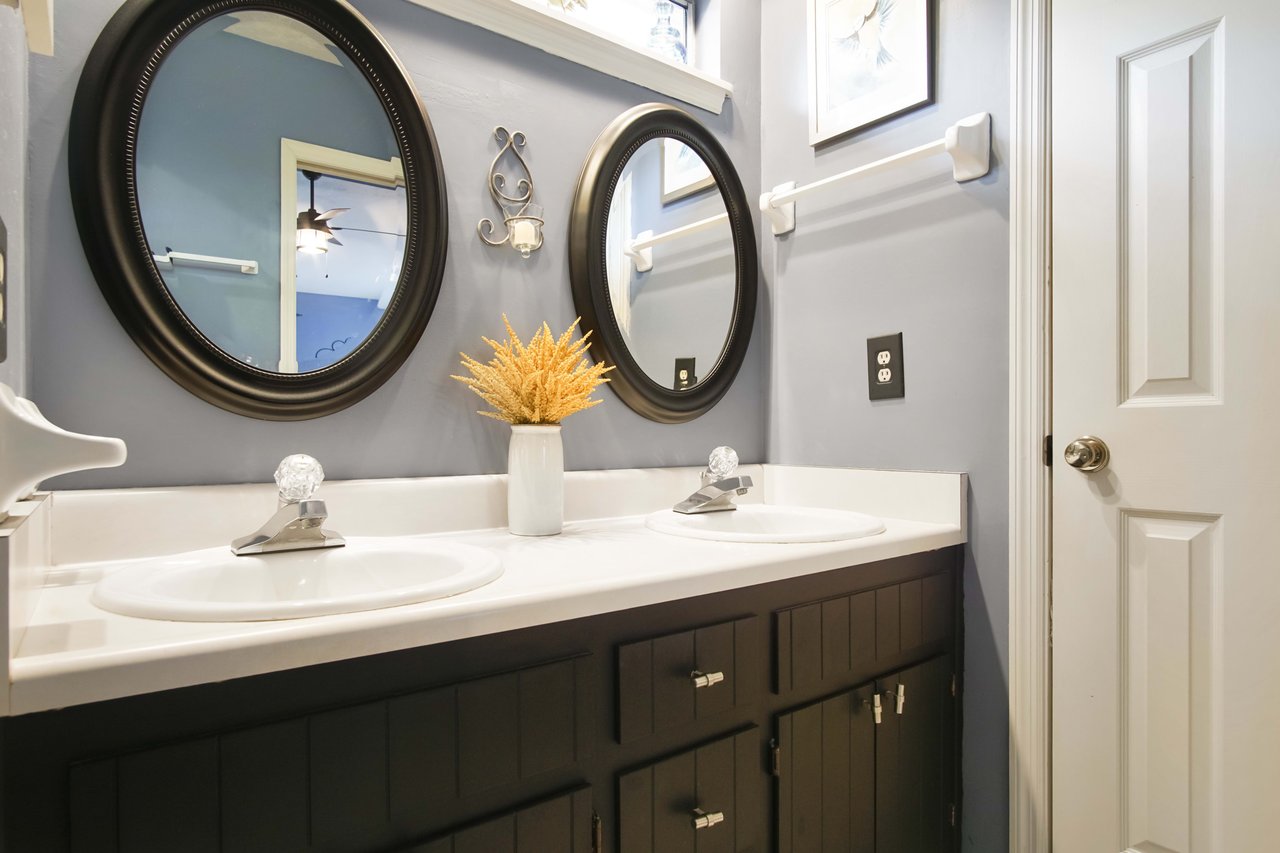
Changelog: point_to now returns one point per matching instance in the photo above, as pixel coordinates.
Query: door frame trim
(1030, 479)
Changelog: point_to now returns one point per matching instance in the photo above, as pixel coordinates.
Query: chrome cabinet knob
(1087, 454)
(706, 820)
(706, 679)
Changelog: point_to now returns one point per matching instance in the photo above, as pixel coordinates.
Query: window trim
(534, 23)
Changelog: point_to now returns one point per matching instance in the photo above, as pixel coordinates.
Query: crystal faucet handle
(298, 477)
(723, 462)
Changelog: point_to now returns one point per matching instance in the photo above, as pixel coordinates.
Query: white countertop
(70, 652)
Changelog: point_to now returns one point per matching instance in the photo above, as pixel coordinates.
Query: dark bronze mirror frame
(587, 232)
(104, 131)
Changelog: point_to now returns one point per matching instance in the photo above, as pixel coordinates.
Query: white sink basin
(214, 585)
(763, 523)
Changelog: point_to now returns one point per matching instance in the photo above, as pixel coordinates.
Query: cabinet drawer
(658, 679)
(825, 643)
(561, 824)
(720, 782)
(347, 778)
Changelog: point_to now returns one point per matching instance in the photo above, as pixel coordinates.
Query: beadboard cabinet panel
(831, 643)
(337, 779)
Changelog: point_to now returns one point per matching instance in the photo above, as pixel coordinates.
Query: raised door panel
(658, 804)
(825, 769)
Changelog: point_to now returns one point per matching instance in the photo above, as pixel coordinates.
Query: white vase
(535, 480)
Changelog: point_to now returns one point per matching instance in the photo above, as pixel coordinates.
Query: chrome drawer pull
(706, 820)
(706, 679)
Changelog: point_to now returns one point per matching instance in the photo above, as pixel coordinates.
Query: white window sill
(537, 25)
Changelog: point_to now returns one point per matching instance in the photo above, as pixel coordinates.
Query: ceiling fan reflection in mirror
(314, 235)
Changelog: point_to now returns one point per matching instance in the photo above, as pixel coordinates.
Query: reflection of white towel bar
(640, 250)
(968, 141)
(205, 262)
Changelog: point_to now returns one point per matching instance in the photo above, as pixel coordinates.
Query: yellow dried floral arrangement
(541, 383)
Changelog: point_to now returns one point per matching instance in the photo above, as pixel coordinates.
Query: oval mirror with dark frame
(260, 196)
(662, 260)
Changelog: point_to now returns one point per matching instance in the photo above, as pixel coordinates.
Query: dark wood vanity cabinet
(737, 722)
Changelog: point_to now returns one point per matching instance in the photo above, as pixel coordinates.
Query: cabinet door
(915, 761)
(850, 780)
(825, 764)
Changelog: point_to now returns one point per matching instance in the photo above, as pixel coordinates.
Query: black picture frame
(102, 148)
(587, 258)
(820, 140)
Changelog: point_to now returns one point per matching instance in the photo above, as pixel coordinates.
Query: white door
(1166, 329)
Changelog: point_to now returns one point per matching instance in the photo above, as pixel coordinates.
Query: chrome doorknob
(1087, 454)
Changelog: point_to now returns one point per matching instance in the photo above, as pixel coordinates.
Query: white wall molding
(1030, 661)
(533, 23)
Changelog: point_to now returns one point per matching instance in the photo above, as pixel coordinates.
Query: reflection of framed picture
(683, 172)
(869, 61)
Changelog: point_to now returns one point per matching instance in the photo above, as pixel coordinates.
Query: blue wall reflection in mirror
(210, 184)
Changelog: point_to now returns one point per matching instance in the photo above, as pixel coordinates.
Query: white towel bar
(640, 250)
(968, 141)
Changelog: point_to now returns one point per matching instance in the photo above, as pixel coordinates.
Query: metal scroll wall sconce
(521, 216)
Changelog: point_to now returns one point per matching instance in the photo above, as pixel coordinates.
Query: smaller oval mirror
(663, 262)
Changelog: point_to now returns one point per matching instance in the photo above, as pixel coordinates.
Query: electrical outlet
(686, 374)
(884, 368)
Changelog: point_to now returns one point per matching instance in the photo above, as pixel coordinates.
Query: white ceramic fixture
(535, 481)
(764, 523)
(32, 449)
(214, 585)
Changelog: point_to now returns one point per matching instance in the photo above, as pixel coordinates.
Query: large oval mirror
(261, 198)
(663, 262)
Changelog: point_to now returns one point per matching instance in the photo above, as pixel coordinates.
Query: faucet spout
(715, 496)
(294, 527)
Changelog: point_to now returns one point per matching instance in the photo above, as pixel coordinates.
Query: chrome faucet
(297, 524)
(720, 483)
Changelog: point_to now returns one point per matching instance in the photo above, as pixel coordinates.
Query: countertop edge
(65, 680)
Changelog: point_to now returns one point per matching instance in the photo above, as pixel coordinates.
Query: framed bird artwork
(869, 61)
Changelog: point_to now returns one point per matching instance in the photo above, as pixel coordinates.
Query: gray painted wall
(913, 252)
(88, 376)
(13, 168)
